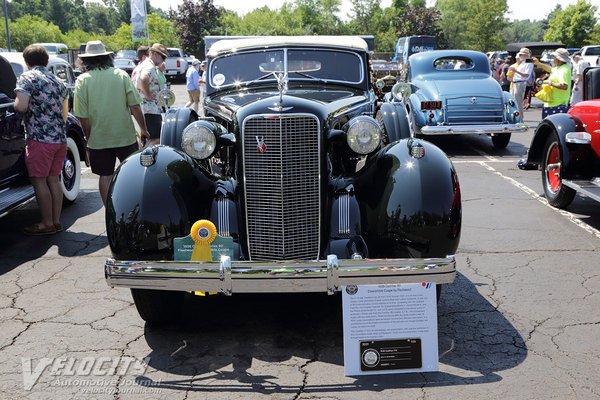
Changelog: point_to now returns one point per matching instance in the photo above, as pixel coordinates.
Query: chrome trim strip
(462, 129)
(223, 216)
(344, 214)
(229, 277)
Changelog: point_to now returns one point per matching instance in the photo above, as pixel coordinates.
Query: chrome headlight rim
(363, 135)
(199, 140)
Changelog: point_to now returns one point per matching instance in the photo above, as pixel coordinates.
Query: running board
(589, 188)
(12, 198)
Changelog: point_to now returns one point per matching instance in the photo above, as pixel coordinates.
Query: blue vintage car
(452, 92)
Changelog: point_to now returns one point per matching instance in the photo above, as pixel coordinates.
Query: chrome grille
(282, 186)
(463, 111)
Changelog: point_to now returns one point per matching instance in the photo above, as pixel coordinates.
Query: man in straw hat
(148, 86)
(560, 82)
(579, 65)
(522, 72)
(104, 101)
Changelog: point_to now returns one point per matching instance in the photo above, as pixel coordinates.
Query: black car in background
(15, 188)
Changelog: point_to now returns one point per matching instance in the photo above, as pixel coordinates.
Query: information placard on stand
(390, 329)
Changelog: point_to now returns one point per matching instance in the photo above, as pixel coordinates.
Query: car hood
(331, 99)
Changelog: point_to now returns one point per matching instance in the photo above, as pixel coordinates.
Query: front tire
(70, 176)
(158, 306)
(501, 140)
(557, 194)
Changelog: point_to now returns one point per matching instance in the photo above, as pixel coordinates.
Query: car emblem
(473, 100)
(261, 147)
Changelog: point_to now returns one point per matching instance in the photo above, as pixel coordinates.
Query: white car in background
(591, 54)
(55, 49)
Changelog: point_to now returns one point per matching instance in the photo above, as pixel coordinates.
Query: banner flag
(138, 20)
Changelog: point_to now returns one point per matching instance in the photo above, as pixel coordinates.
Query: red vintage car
(567, 148)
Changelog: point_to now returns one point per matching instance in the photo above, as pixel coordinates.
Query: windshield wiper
(260, 78)
(310, 76)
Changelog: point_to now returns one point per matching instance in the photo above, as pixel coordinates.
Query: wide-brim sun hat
(95, 48)
(562, 54)
(525, 51)
(160, 49)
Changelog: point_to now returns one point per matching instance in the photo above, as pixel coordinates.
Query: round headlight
(363, 135)
(198, 140)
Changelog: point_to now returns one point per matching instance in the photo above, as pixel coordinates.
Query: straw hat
(562, 54)
(160, 49)
(525, 51)
(95, 48)
(196, 62)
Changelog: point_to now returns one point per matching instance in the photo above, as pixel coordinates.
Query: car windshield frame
(283, 56)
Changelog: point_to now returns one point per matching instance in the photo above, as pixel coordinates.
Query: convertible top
(232, 45)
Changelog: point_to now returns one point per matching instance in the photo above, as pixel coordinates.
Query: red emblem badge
(261, 147)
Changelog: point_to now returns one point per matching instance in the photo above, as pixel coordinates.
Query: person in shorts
(148, 86)
(43, 98)
(105, 99)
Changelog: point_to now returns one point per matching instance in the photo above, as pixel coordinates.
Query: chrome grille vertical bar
(281, 161)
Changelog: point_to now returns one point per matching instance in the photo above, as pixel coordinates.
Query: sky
(518, 9)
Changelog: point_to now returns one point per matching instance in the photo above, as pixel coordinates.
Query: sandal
(58, 227)
(36, 230)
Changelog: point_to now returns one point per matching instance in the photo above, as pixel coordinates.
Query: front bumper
(472, 129)
(228, 277)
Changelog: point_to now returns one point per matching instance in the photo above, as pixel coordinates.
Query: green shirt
(561, 74)
(104, 97)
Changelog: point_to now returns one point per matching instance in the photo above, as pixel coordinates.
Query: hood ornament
(282, 86)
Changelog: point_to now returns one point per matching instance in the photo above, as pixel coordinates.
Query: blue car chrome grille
(281, 156)
(474, 110)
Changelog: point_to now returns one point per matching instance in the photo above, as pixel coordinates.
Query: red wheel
(556, 193)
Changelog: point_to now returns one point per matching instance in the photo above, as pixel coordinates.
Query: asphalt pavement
(521, 321)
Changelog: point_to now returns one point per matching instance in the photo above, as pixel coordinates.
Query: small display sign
(390, 328)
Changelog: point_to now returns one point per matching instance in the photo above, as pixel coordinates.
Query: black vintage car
(314, 182)
(15, 188)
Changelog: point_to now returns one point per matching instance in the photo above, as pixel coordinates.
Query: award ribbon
(203, 233)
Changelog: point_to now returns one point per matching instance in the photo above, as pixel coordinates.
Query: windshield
(300, 64)
(50, 48)
(126, 54)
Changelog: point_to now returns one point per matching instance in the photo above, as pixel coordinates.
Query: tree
(473, 24)
(523, 31)
(421, 21)
(31, 29)
(573, 25)
(195, 19)
(318, 17)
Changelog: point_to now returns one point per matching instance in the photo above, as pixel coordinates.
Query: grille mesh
(486, 110)
(282, 186)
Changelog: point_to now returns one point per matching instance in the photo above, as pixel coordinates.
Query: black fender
(410, 207)
(176, 119)
(576, 158)
(149, 206)
(395, 121)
